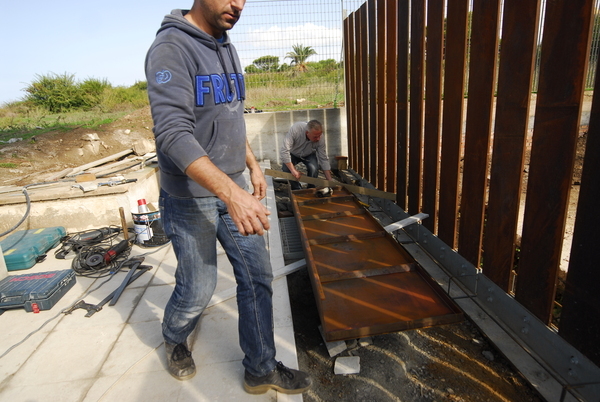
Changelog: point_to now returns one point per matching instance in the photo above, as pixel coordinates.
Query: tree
(299, 55)
(266, 63)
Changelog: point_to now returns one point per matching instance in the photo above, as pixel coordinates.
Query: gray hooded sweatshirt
(196, 93)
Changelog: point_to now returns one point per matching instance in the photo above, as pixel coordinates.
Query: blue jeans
(312, 168)
(193, 225)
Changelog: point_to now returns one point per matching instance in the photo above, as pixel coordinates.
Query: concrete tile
(68, 355)
(286, 346)
(152, 304)
(108, 315)
(282, 316)
(71, 391)
(347, 365)
(14, 358)
(214, 383)
(136, 350)
(217, 338)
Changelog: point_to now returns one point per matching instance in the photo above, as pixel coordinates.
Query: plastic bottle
(142, 207)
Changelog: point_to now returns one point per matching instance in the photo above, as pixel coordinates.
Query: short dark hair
(314, 124)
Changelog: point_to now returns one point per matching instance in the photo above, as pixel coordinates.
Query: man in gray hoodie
(197, 92)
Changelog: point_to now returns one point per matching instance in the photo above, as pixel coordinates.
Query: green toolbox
(24, 248)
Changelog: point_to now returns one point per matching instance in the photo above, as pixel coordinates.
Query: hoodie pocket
(227, 147)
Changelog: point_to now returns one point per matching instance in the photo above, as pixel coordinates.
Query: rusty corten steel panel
(563, 64)
(381, 82)
(580, 317)
(363, 113)
(364, 282)
(349, 81)
(456, 42)
(417, 58)
(371, 168)
(391, 90)
(484, 52)
(402, 111)
(517, 56)
(433, 109)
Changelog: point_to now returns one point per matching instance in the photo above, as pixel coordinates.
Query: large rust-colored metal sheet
(364, 282)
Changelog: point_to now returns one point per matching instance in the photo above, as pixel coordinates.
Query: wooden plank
(433, 110)
(517, 58)
(563, 64)
(417, 56)
(454, 87)
(321, 182)
(100, 161)
(482, 79)
(402, 112)
(580, 317)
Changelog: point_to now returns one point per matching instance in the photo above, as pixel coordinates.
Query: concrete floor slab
(118, 353)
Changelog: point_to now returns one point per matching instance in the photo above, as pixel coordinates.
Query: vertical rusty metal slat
(402, 111)
(372, 138)
(433, 108)
(364, 99)
(381, 165)
(391, 95)
(580, 317)
(482, 74)
(454, 86)
(349, 80)
(417, 55)
(517, 59)
(560, 95)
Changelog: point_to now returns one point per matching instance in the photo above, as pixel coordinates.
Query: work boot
(179, 361)
(282, 379)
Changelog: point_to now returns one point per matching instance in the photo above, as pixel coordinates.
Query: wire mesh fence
(291, 52)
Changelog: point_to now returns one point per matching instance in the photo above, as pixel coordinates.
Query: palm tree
(299, 55)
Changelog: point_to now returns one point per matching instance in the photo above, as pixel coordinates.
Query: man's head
(215, 16)
(314, 130)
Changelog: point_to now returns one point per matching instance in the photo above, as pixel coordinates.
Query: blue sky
(108, 39)
(91, 39)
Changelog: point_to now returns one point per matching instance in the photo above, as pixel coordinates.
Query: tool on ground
(324, 192)
(114, 296)
(35, 291)
(117, 182)
(73, 243)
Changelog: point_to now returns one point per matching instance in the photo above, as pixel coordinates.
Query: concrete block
(365, 341)
(347, 365)
(333, 348)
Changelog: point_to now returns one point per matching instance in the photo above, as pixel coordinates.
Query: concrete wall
(267, 130)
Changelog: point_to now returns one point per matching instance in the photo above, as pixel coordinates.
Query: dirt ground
(448, 363)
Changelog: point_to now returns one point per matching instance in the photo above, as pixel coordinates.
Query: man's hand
(247, 212)
(245, 209)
